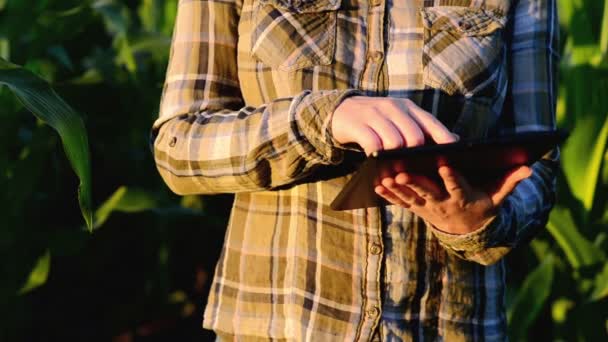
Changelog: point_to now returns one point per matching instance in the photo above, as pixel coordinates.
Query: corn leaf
(38, 97)
(579, 251)
(170, 13)
(584, 151)
(601, 285)
(150, 13)
(530, 299)
(127, 200)
(560, 309)
(5, 48)
(604, 33)
(39, 273)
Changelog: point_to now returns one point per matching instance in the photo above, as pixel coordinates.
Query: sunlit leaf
(605, 169)
(158, 16)
(583, 155)
(43, 68)
(601, 285)
(193, 202)
(91, 76)
(604, 33)
(5, 48)
(155, 45)
(561, 110)
(579, 251)
(125, 55)
(127, 200)
(170, 13)
(150, 14)
(560, 308)
(579, 24)
(39, 273)
(566, 9)
(37, 96)
(584, 54)
(530, 299)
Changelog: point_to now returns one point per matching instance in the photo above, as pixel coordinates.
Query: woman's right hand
(384, 123)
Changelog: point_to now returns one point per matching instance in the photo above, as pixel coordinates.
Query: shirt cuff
(489, 235)
(314, 115)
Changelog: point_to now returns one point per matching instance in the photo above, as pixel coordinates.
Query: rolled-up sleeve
(206, 140)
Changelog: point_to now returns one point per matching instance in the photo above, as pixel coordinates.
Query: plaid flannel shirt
(250, 91)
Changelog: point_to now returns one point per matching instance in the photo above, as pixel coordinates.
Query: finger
(431, 125)
(389, 196)
(509, 183)
(407, 126)
(385, 170)
(367, 138)
(404, 193)
(456, 186)
(389, 134)
(421, 185)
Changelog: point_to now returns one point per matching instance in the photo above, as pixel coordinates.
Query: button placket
(371, 76)
(370, 81)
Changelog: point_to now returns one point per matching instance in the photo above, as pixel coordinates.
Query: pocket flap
(304, 6)
(466, 20)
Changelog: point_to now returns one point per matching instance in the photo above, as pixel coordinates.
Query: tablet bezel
(359, 191)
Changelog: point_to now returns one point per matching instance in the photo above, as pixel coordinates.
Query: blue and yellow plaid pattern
(246, 108)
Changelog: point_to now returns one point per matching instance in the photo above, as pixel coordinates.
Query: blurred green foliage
(144, 271)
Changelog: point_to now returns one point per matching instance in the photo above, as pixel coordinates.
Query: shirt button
(373, 312)
(173, 141)
(376, 56)
(465, 25)
(375, 249)
(376, 2)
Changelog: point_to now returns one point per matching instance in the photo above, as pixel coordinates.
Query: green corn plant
(38, 96)
(572, 274)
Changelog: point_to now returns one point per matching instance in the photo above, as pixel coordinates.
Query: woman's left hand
(455, 206)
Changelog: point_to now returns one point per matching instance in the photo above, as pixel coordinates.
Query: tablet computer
(479, 160)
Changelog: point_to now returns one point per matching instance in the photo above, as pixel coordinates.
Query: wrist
(468, 226)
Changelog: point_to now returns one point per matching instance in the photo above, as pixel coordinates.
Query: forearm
(249, 149)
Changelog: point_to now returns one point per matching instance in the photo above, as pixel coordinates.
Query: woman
(271, 99)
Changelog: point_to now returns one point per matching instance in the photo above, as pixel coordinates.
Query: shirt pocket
(463, 50)
(294, 34)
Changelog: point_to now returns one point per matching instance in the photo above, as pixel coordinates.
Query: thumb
(509, 182)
